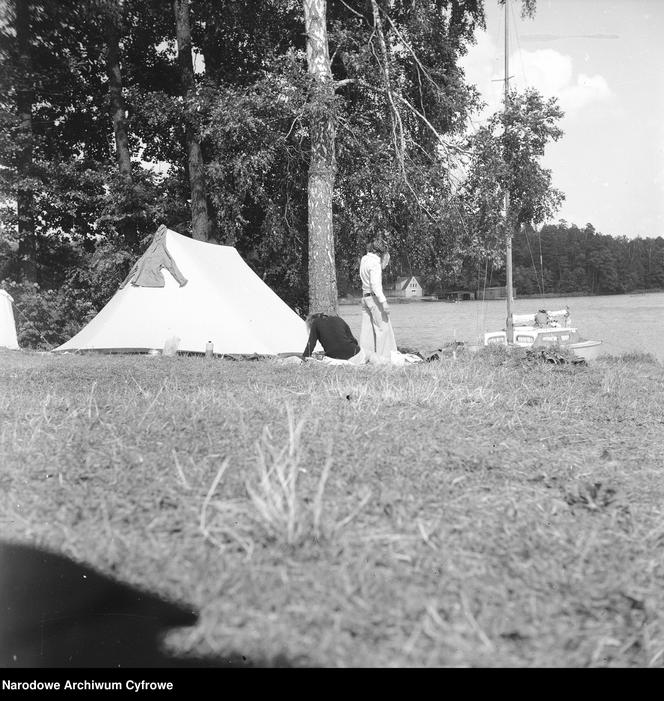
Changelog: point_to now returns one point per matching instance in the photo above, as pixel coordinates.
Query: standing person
(376, 333)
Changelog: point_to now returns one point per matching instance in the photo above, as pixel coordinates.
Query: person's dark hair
(377, 245)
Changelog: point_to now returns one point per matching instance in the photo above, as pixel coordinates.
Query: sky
(604, 62)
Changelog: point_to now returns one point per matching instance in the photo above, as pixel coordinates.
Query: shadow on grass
(57, 613)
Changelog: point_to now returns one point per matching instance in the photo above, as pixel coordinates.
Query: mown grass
(479, 511)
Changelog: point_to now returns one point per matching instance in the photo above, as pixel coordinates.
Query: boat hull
(532, 337)
(588, 350)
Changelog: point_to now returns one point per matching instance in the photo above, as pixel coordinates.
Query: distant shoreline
(547, 295)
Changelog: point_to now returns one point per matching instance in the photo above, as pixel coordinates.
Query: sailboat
(544, 329)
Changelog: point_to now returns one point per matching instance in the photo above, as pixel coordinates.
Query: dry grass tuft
(280, 508)
(279, 505)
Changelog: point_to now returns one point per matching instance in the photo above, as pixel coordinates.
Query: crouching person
(336, 338)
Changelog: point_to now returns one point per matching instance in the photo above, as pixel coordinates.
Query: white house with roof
(408, 286)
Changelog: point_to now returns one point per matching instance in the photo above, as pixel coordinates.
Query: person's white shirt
(371, 274)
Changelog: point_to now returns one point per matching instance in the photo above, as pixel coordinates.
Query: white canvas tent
(186, 293)
(7, 323)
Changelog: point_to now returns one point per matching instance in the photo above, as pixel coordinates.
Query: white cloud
(548, 71)
(552, 73)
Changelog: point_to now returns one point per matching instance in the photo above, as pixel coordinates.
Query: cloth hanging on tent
(147, 270)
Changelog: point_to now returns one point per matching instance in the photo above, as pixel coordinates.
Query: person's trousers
(376, 332)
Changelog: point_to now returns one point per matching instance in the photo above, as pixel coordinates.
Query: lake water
(624, 323)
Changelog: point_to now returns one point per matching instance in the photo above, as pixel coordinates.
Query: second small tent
(8, 338)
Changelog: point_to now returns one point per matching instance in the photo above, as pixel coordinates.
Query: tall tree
(117, 108)
(506, 155)
(200, 222)
(322, 166)
(25, 199)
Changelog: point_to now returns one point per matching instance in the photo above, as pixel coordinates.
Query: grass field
(485, 511)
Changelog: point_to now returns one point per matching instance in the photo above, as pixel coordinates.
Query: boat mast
(509, 327)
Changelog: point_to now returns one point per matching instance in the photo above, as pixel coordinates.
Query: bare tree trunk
(322, 166)
(200, 223)
(25, 200)
(117, 106)
(126, 222)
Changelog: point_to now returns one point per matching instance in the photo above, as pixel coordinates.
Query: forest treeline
(565, 259)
